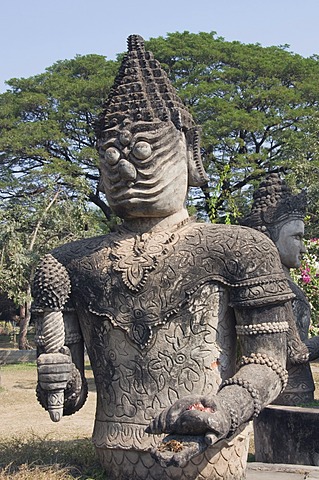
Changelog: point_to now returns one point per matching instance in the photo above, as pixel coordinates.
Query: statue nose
(127, 171)
(125, 152)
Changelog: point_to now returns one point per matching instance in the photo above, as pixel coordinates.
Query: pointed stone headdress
(143, 94)
(274, 203)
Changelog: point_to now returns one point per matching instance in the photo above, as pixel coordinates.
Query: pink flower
(304, 271)
(306, 278)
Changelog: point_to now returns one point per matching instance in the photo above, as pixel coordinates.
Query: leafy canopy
(257, 106)
(258, 109)
(47, 129)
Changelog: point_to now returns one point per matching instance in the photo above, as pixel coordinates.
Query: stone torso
(187, 356)
(157, 318)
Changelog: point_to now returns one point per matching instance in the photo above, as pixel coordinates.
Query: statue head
(280, 215)
(147, 140)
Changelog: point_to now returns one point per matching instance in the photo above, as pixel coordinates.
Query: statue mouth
(141, 190)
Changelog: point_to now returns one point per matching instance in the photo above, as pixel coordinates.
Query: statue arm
(313, 347)
(261, 374)
(62, 387)
(69, 359)
(260, 378)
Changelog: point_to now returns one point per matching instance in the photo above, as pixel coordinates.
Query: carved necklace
(135, 256)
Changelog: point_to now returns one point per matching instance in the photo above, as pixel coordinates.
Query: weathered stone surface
(286, 434)
(280, 215)
(264, 471)
(226, 463)
(157, 302)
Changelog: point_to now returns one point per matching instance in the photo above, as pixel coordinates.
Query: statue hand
(54, 370)
(194, 415)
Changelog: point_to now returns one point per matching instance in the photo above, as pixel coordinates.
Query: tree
(256, 107)
(30, 229)
(47, 129)
(49, 173)
(49, 170)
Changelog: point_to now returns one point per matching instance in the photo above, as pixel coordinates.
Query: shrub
(307, 277)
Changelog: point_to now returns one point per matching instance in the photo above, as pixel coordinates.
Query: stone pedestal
(287, 435)
(270, 471)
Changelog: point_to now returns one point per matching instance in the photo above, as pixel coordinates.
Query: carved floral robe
(156, 312)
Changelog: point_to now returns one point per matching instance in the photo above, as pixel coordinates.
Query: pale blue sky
(36, 33)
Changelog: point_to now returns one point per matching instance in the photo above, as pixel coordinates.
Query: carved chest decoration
(138, 282)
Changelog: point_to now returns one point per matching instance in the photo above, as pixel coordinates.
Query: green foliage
(31, 227)
(47, 128)
(257, 106)
(258, 109)
(307, 277)
(232, 212)
(48, 165)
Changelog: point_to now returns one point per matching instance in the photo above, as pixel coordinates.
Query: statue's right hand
(54, 370)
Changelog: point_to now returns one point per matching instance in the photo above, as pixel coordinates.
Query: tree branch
(94, 198)
(38, 225)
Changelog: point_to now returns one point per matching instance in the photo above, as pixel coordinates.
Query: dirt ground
(22, 415)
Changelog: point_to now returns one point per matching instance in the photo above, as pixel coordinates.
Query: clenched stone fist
(54, 370)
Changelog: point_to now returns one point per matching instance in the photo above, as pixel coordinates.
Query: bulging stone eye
(142, 150)
(112, 155)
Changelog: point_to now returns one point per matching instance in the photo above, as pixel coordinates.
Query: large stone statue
(159, 303)
(280, 215)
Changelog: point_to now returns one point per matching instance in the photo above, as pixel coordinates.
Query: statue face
(290, 243)
(143, 170)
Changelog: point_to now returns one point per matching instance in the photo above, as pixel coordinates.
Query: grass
(32, 457)
(14, 367)
(314, 404)
(38, 458)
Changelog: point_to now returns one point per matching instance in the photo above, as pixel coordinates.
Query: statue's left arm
(260, 378)
(261, 299)
(261, 374)
(259, 294)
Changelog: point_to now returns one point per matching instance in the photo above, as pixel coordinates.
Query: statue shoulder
(244, 259)
(78, 249)
(51, 286)
(242, 246)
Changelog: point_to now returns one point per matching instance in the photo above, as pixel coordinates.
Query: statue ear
(196, 173)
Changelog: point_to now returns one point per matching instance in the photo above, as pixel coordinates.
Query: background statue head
(280, 215)
(148, 142)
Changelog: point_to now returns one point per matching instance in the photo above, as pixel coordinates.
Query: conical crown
(274, 203)
(143, 92)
